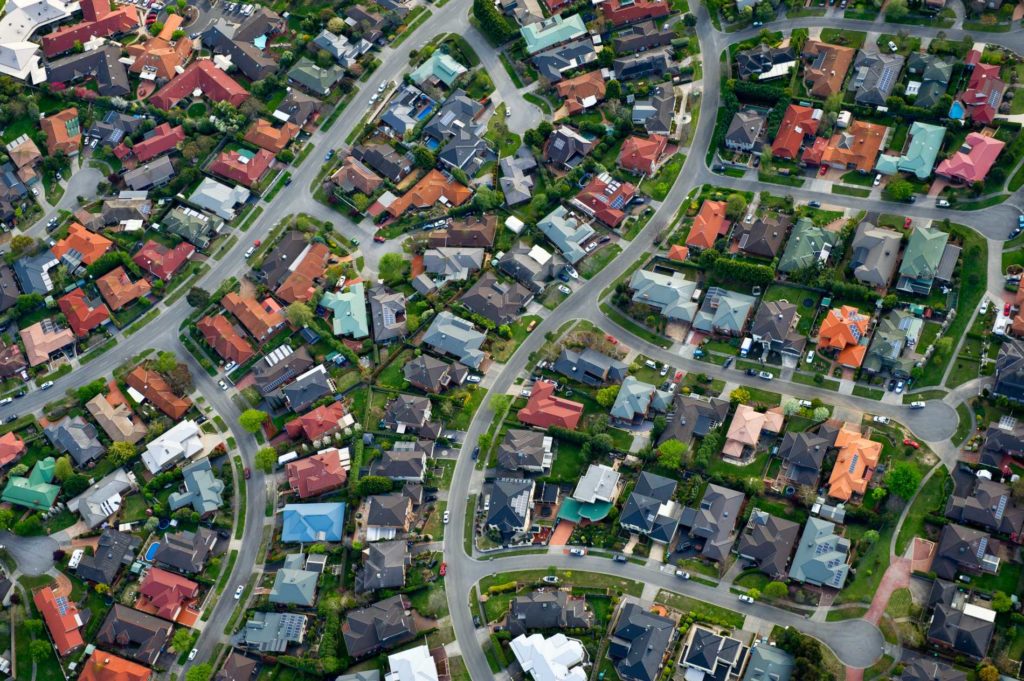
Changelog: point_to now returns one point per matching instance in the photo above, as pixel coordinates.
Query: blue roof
(313, 522)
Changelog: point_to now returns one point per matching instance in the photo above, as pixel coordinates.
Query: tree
(606, 396)
(74, 486)
(336, 25)
(39, 649)
(266, 459)
(21, 243)
(102, 588)
(775, 590)
(90, 390)
(903, 479)
(200, 672)
(33, 626)
(198, 297)
(492, 22)
(988, 672)
(121, 452)
(252, 420)
(670, 454)
(754, 593)
(19, 470)
(180, 379)
(423, 158)
(791, 407)
(391, 268)
(1001, 602)
(373, 484)
(299, 314)
(898, 190)
(63, 470)
(182, 640)
(735, 205)
(165, 361)
(740, 396)
(896, 10)
(612, 90)
(821, 414)
(605, 57)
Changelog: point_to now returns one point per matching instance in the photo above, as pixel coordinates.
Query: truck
(748, 342)
(285, 458)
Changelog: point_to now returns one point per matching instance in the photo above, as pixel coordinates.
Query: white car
(572, 272)
(525, 392)
(192, 653)
(766, 375)
(46, 386)
(577, 551)
(6, 400)
(549, 579)
(591, 246)
(805, 403)
(373, 98)
(917, 405)
(877, 181)
(248, 253)
(564, 289)
(230, 366)
(810, 357)
(881, 419)
(682, 575)
(35, 192)
(445, 518)
(223, 385)
(474, 378)
(899, 387)
(746, 599)
(238, 591)
(893, 47)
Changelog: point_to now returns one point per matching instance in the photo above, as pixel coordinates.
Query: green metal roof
(923, 253)
(919, 158)
(440, 65)
(349, 311)
(35, 491)
(805, 245)
(551, 32)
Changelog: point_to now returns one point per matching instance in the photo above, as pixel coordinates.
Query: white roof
(514, 224)
(556, 658)
(979, 612)
(19, 58)
(181, 441)
(597, 484)
(540, 255)
(414, 664)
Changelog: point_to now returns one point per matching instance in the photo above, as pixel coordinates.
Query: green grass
(463, 417)
(597, 261)
(592, 580)
(659, 185)
(845, 614)
(964, 369)
(763, 397)
(412, 23)
(838, 36)
(785, 180)
(870, 393)
(963, 426)
(634, 328)
(538, 101)
(899, 603)
(701, 610)
(807, 379)
(1008, 580)
(858, 178)
(930, 499)
(241, 493)
(850, 191)
(870, 568)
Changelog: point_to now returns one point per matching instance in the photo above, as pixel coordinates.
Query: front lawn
(597, 261)
(659, 185)
(503, 349)
(930, 499)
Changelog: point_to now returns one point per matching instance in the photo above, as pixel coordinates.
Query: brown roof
(118, 290)
(827, 68)
(26, 153)
(256, 319)
(582, 92)
(473, 231)
(301, 283)
(263, 134)
(354, 175)
(43, 338)
(317, 474)
(161, 55)
(11, 447)
(154, 387)
(856, 147)
(11, 360)
(428, 191)
(116, 420)
(221, 335)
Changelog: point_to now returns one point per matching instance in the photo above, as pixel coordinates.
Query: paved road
(34, 555)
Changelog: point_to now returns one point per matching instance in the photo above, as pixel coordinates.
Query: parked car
(238, 591)
(445, 517)
(379, 238)
(223, 385)
(881, 419)
(549, 579)
(474, 378)
(725, 365)
(444, 569)
(619, 558)
(766, 375)
(577, 551)
(911, 443)
(751, 372)
(230, 366)
(917, 405)
(46, 386)
(805, 403)
(192, 653)
(6, 400)
(893, 47)
(248, 473)
(899, 387)
(11, 419)
(682, 575)
(814, 204)
(564, 289)
(877, 181)
(611, 339)
(942, 203)
(744, 598)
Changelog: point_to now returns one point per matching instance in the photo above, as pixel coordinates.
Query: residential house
(295, 583)
(855, 148)
(25, 156)
(986, 503)
(344, 51)
(455, 336)
(186, 551)
(381, 626)
(299, 108)
(694, 416)
(556, 30)
(651, 509)
(354, 176)
(639, 38)
(219, 198)
(326, 419)
(221, 335)
(434, 187)
(724, 312)
(712, 525)
(202, 492)
(825, 67)
(746, 129)
(113, 127)
(929, 257)
(162, 262)
(525, 450)
(407, 413)
(455, 264)
(673, 295)
(407, 106)
(181, 441)
(808, 246)
(119, 290)
(554, 62)
(348, 311)
(963, 550)
(33, 272)
(712, 655)
(763, 237)
(844, 334)
(245, 42)
(636, 401)
(639, 642)
(709, 224)
(657, 113)
(774, 329)
(280, 366)
(99, 20)
(511, 504)
(114, 550)
(305, 273)
(104, 666)
(971, 163)
(384, 160)
(271, 632)
(134, 634)
(12, 362)
(314, 78)
(927, 78)
(383, 567)
(803, 453)
(309, 523)
(77, 437)
(459, 113)
(548, 610)
(855, 464)
(500, 302)
(273, 139)
(964, 628)
(747, 428)
(431, 375)
(566, 148)
(769, 663)
(43, 339)
(103, 499)
(11, 448)
(160, 140)
(544, 409)
(473, 231)
(921, 151)
(102, 66)
(202, 75)
(763, 62)
(405, 461)
(307, 389)
(162, 56)
(83, 315)
(874, 76)
(984, 93)
(80, 247)
(62, 131)
(590, 367)
(582, 92)
(642, 155)
(149, 176)
(767, 542)
(567, 233)
(260, 319)
(1001, 446)
(318, 474)
(242, 166)
(166, 594)
(897, 331)
(822, 557)
(649, 65)
(619, 12)
(874, 253)
(439, 68)
(799, 126)
(192, 225)
(62, 619)
(531, 266)
(152, 386)
(388, 516)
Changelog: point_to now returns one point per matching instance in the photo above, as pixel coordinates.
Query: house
(104, 666)
(167, 594)
(62, 619)
(384, 160)
(657, 113)
(20, 58)
(299, 108)
(191, 225)
(763, 238)
(309, 523)
(102, 66)
(459, 113)
(672, 295)
(265, 135)
(295, 583)
(134, 634)
(181, 441)
(439, 68)
(381, 626)
(1009, 375)
(713, 523)
(855, 464)
(928, 77)
(767, 542)
(304, 274)
(986, 503)
(11, 448)
(43, 339)
(821, 556)
(467, 151)
(769, 663)
(808, 246)
(318, 474)
(802, 454)
(271, 632)
(119, 290)
(566, 148)
(582, 92)
(344, 51)
(348, 311)
(307, 389)
(314, 78)
(495, 300)
(544, 409)
(651, 510)
(1000, 445)
(450, 263)
(12, 362)
(434, 187)
(33, 273)
(25, 156)
(774, 328)
(709, 224)
(525, 450)
(511, 503)
(261, 320)
(405, 109)
(554, 62)
(555, 658)
(825, 67)
(160, 140)
(724, 312)
(202, 492)
(639, 641)
(244, 43)
(643, 155)
(799, 125)
(567, 233)
(327, 419)
(844, 334)
(152, 386)
(221, 335)
(896, 331)
(388, 516)
(431, 375)
(921, 152)
(550, 32)
(353, 175)
(590, 367)
(636, 401)
(531, 266)
(75, 436)
(639, 37)
(620, 12)
(874, 252)
(855, 148)
(242, 166)
(80, 247)
(747, 428)
(162, 262)
(151, 175)
(963, 550)
(967, 631)
(765, 63)
(103, 498)
(219, 199)
(973, 160)
(186, 551)
(405, 461)
(715, 656)
(280, 366)
(202, 75)
(548, 610)
(83, 315)
(745, 130)
(694, 416)
(383, 567)
(407, 413)
(981, 98)
(109, 130)
(162, 56)
(114, 550)
(874, 76)
(928, 257)
(455, 336)
(99, 20)
(649, 65)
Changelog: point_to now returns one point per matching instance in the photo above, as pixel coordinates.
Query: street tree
(252, 420)
(266, 458)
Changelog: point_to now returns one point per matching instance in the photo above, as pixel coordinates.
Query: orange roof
(118, 290)
(62, 131)
(161, 139)
(11, 447)
(221, 335)
(258, 319)
(827, 67)
(317, 423)
(544, 409)
(159, 55)
(316, 474)
(855, 463)
(245, 169)
(154, 387)
(582, 92)
(642, 154)
(62, 619)
(90, 245)
(709, 224)
(216, 86)
(82, 316)
(843, 329)
(171, 24)
(104, 666)
(798, 122)
(300, 284)
(678, 252)
(431, 188)
(855, 147)
(263, 134)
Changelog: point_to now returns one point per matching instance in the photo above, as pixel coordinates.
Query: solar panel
(1001, 507)
(853, 462)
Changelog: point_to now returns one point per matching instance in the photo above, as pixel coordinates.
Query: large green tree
(252, 420)
(266, 458)
(902, 479)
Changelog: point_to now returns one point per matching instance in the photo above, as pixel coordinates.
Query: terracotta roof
(605, 198)
(797, 123)
(89, 244)
(678, 252)
(747, 426)
(118, 290)
(216, 86)
(543, 409)
(245, 169)
(984, 93)
(163, 262)
(641, 155)
(300, 284)
(104, 666)
(98, 21)
(620, 12)
(82, 318)
(431, 188)
(827, 67)
(354, 175)
(221, 335)
(167, 592)
(844, 329)
(972, 165)
(62, 131)
(160, 139)
(581, 92)
(709, 224)
(263, 134)
(43, 338)
(257, 319)
(26, 153)
(154, 387)
(855, 463)
(317, 423)
(62, 619)
(316, 474)
(857, 146)
(11, 447)
(160, 55)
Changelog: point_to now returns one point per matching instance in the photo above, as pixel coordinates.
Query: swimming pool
(151, 551)
(956, 112)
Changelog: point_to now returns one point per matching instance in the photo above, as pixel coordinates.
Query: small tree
(775, 590)
(266, 458)
(754, 593)
(198, 297)
(102, 588)
(299, 314)
(988, 672)
(391, 268)
(200, 672)
(870, 537)
(791, 407)
(373, 484)
(740, 396)
(252, 420)
(670, 454)
(39, 649)
(821, 414)
(735, 205)
(63, 470)
(903, 479)
(1001, 602)
(121, 452)
(182, 640)
(606, 396)
(165, 362)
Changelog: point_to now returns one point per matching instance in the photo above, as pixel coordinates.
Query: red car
(150, 20)
(257, 242)
(379, 239)
(911, 443)
(248, 473)
(1006, 310)
(612, 339)
(444, 568)
(824, 171)
(679, 376)
(906, 223)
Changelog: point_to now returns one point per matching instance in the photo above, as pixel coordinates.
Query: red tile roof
(544, 409)
(984, 93)
(118, 290)
(316, 474)
(161, 139)
(259, 320)
(154, 387)
(678, 252)
(301, 283)
(619, 12)
(98, 21)
(582, 92)
(104, 666)
(242, 168)
(428, 191)
(972, 165)
(62, 619)
(317, 423)
(797, 123)
(89, 244)
(81, 317)
(709, 224)
(216, 86)
(221, 335)
(163, 262)
(605, 198)
(62, 132)
(263, 134)
(167, 592)
(642, 154)
(11, 447)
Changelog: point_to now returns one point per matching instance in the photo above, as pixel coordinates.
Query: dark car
(727, 363)
(892, 384)
(619, 558)
(248, 473)
(751, 372)
(12, 418)
(814, 204)
(476, 453)
(20, 393)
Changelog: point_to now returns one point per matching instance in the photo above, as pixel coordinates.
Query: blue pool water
(423, 114)
(956, 112)
(151, 551)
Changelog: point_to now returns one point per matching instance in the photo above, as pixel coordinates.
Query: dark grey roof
(644, 65)
(924, 669)
(466, 151)
(999, 444)
(114, 550)
(523, 449)
(554, 62)
(186, 551)
(802, 454)
(933, 73)
(567, 147)
(989, 504)
(763, 238)
(516, 183)
(77, 437)
(237, 667)
(648, 511)
(548, 610)
(384, 160)
(874, 75)
(134, 634)
(114, 127)
(1009, 370)
(694, 416)
(380, 626)
(960, 549)
(768, 541)
(236, 40)
(657, 112)
(299, 107)
(269, 377)
(717, 655)
(388, 510)
(426, 372)
(639, 642)
(9, 291)
(406, 461)
(458, 113)
(383, 566)
(532, 274)
(761, 59)
(33, 272)
(496, 300)
(639, 37)
(510, 505)
(102, 64)
(152, 174)
(963, 633)
(746, 128)
(408, 410)
(307, 389)
(590, 367)
(277, 265)
(714, 520)
(387, 313)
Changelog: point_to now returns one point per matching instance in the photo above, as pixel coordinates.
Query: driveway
(896, 576)
(34, 555)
